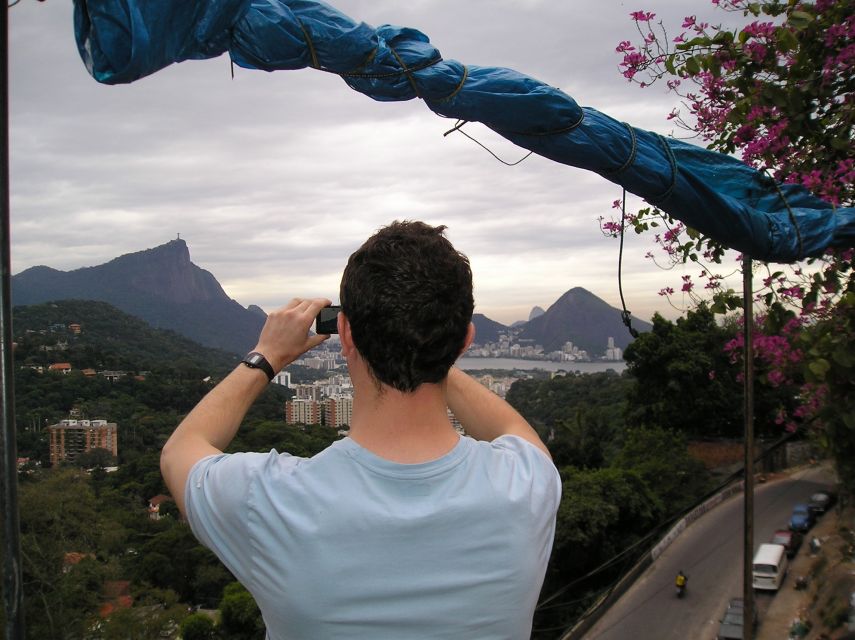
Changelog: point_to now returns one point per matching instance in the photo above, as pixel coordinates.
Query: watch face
(255, 360)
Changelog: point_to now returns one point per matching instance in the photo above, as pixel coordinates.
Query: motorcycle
(681, 590)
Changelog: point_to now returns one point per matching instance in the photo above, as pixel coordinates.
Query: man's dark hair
(407, 293)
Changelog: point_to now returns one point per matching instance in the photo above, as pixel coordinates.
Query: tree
(579, 416)
(661, 457)
(95, 458)
(833, 370)
(148, 622)
(683, 377)
(240, 616)
(781, 92)
(602, 515)
(58, 517)
(197, 626)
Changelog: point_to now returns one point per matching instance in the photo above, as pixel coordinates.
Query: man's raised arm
(483, 414)
(212, 424)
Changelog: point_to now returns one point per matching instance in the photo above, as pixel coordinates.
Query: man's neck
(403, 427)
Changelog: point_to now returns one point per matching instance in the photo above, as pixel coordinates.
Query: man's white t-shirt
(346, 544)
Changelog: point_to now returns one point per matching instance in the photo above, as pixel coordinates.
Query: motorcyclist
(681, 580)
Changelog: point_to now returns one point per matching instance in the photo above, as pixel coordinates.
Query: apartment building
(69, 438)
(303, 411)
(338, 411)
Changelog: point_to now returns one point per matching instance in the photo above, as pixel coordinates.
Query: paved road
(710, 553)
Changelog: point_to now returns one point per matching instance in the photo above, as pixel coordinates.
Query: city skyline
(274, 179)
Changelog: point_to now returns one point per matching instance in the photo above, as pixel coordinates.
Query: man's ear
(470, 336)
(344, 334)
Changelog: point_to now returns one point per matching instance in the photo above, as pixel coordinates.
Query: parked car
(802, 518)
(820, 502)
(791, 540)
(769, 567)
(730, 627)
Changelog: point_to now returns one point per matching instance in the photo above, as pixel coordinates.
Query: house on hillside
(113, 376)
(73, 558)
(61, 367)
(154, 505)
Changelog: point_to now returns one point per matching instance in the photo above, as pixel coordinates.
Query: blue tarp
(121, 41)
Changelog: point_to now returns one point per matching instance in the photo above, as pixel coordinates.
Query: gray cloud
(273, 179)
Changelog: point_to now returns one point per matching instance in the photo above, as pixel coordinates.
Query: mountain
(536, 312)
(487, 330)
(161, 286)
(582, 318)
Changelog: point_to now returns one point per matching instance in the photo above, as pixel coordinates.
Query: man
(403, 529)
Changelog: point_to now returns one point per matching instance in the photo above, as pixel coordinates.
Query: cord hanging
(625, 315)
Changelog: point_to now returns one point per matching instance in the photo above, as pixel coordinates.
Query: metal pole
(13, 595)
(748, 409)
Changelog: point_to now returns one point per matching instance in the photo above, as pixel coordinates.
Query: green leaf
(723, 37)
(669, 65)
(820, 367)
(692, 66)
(787, 40)
(799, 20)
(843, 357)
(714, 65)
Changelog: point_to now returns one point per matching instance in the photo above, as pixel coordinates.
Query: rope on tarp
(672, 161)
(630, 159)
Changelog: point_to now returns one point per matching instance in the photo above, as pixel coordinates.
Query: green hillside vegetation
(109, 339)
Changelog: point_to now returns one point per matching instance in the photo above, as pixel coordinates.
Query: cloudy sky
(274, 179)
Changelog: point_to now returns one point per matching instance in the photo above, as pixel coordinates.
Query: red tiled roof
(159, 499)
(116, 588)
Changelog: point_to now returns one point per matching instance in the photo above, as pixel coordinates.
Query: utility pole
(13, 594)
(748, 414)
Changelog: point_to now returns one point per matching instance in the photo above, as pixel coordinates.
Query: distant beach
(472, 364)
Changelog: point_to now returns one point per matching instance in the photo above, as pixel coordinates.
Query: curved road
(709, 551)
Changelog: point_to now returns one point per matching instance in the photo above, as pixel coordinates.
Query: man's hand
(285, 336)
(212, 424)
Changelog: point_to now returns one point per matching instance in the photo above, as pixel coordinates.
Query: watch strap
(255, 360)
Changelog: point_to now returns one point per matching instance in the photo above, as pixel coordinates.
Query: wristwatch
(255, 360)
